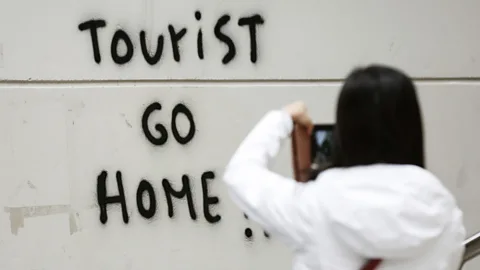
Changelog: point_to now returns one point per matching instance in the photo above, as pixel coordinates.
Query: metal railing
(472, 248)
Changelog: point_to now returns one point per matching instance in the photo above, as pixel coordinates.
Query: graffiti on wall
(175, 35)
(123, 47)
(146, 197)
(146, 189)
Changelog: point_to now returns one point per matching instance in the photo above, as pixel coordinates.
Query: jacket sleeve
(273, 201)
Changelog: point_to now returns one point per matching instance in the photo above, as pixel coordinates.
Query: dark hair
(378, 120)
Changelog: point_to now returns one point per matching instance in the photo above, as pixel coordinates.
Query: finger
(310, 126)
(306, 123)
(310, 129)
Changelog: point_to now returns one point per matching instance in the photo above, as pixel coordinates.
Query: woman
(376, 201)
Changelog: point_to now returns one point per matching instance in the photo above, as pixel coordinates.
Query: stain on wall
(19, 214)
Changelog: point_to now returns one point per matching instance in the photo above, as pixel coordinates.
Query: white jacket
(399, 213)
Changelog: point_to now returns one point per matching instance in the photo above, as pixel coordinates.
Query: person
(375, 202)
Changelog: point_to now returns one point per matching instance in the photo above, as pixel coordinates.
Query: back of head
(378, 119)
(390, 210)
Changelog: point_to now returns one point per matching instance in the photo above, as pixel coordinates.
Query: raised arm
(275, 202)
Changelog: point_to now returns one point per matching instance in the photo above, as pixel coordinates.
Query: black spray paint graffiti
(146, 191)
(249, 233)
(176, 35)
(163, 133)
(145, 188)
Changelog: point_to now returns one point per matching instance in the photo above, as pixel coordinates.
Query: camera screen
(322, 144)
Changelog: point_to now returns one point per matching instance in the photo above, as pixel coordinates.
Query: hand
(299, 113)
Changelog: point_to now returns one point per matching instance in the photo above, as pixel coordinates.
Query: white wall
(65, 118)
(307, 39)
